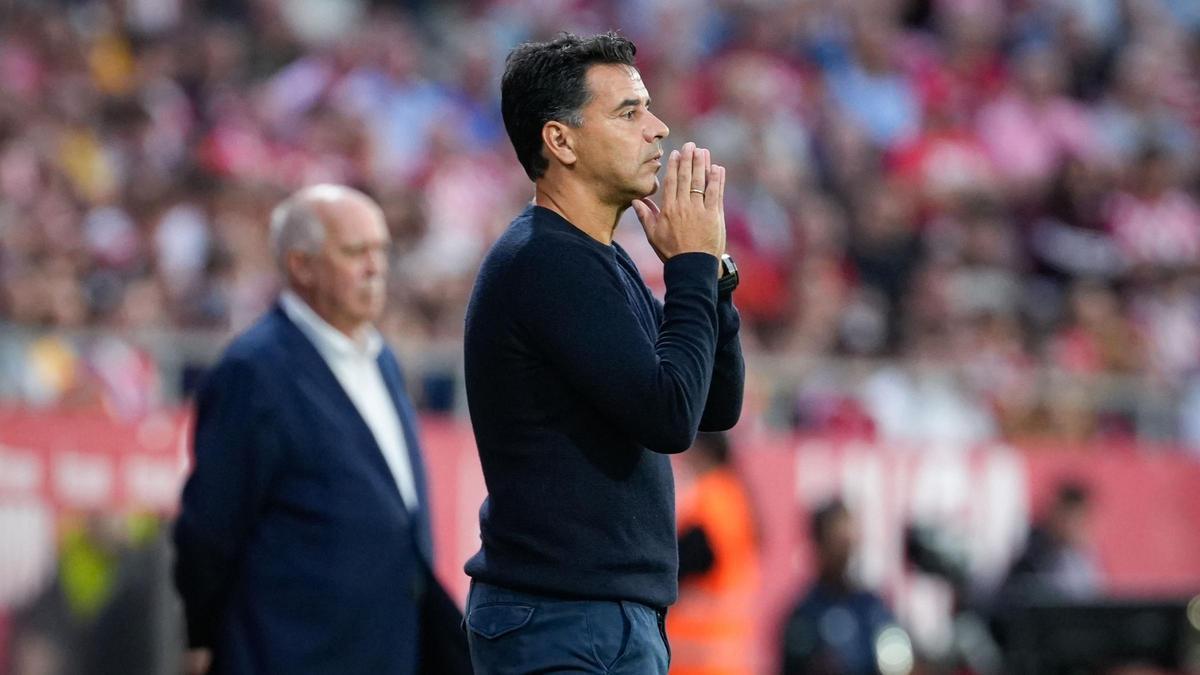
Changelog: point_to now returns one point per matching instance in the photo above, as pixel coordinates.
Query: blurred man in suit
(303, 539)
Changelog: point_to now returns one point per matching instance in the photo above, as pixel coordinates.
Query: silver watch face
(729, 280)
(728, 264)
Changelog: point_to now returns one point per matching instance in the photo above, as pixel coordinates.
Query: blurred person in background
(866, 83)
(1154, 220)
(838, 628)
(1057, 562)
(712, 627)
(105, 612)
(580, 381)
(1056, 567)
(1032, 128)
(303, 540)
(1098, 340)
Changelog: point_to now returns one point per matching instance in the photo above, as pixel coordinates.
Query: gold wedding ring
(699, 192)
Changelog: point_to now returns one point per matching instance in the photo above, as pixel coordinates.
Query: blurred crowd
(984, 211)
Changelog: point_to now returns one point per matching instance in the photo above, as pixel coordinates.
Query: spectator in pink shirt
(1154, 221)
(1030, 130)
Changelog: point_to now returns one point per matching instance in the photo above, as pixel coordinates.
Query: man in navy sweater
(579, 381)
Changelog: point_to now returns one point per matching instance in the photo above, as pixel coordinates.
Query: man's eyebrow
(631, 102)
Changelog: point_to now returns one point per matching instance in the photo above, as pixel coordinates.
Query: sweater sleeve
(236, 456)
(579, 316)
(724, 404)
(723, 407)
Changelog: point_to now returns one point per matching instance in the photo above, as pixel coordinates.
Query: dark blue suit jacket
(295, 552)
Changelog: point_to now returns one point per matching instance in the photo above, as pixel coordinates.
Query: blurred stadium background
(969, 235)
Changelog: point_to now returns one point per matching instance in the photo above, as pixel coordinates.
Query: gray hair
(295, 226)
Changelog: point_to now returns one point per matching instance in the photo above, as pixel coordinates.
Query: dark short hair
(546, 81)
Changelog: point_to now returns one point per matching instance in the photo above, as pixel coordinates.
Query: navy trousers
(512, 632)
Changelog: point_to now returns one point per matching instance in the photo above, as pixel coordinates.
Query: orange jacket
(711, 627)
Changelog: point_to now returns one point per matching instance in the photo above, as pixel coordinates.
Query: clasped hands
(692, 215)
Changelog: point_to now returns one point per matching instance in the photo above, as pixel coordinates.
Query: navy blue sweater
(579, 382)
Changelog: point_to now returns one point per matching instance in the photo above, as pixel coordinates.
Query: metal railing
(780, 385)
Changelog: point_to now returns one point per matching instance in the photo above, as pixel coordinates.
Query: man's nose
(657, 130)
(376, 263)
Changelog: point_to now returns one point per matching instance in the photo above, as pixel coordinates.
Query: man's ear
(559, 141)
(299, 268)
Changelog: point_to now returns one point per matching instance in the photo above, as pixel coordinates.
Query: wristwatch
(729, 278)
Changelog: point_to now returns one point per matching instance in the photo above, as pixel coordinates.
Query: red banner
(1143, 526)
(1146, 505)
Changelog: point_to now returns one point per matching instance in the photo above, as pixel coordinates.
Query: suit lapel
(309, 364)
(393, 378)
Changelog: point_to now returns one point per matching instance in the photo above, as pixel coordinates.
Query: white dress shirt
(357, 370)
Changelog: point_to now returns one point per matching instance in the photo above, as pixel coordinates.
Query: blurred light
(893, 652)
(1193, 613)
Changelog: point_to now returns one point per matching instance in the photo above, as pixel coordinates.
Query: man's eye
(628, 114)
